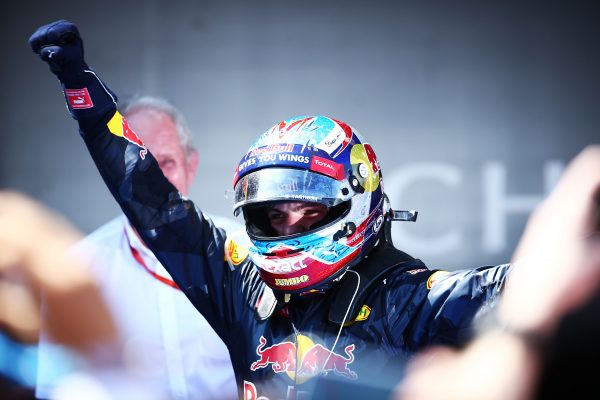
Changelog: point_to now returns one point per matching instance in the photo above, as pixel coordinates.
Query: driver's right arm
(189, 246)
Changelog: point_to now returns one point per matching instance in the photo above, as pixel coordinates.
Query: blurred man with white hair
(165, 336)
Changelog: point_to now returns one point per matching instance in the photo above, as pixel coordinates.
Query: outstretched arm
(557, 270)
(189, 247)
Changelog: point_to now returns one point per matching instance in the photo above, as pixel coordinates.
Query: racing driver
(313, 298)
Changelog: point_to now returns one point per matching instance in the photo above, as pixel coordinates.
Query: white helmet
(313, 159)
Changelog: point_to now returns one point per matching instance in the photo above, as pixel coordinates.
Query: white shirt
(167, 340)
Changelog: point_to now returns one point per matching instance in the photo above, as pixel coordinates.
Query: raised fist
(60, 45)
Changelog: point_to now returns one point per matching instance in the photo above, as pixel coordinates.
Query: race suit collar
(353, 287)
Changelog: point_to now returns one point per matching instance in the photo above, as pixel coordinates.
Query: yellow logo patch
(236, 253)
(363, 315)
(434, 277)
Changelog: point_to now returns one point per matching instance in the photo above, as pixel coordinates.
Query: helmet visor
(281, 184)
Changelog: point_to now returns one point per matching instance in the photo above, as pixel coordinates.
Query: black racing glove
(60, 45)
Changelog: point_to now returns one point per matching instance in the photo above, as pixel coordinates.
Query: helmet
(312, 159)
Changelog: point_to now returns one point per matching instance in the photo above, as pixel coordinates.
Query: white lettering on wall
(498, 204)
(403, 179)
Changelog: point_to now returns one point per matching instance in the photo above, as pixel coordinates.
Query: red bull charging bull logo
(118, 126)
(305, 361)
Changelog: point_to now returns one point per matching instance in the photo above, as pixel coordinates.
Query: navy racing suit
(279, 350)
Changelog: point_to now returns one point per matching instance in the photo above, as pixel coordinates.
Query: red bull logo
(118, 126)
(318, 359)
(305, 361)
(281, 356)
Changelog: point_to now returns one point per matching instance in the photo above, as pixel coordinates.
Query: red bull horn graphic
(313, 359)
(281, 356)
(318, 359)
(118, 126)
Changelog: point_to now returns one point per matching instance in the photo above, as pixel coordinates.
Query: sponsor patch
(435, 277)
(363, 315)
(416, 271)
(291, 281)
(236, 253)
(377, 224)
(79, 98)
(332, 141)
(272, 148)
(327, 167)
(267, 159)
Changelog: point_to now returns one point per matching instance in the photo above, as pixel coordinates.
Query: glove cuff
(88, 97)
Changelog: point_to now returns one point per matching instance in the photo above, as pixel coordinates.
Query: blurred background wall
(473, 107)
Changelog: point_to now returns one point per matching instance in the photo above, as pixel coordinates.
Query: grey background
(455, 92)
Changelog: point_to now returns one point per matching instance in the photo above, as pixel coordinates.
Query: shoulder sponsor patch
(235, 253)
(363, 315)
(433, 278)
(118, 126)
(416, 271)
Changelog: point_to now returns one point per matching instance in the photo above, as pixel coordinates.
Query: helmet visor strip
(289, 184)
